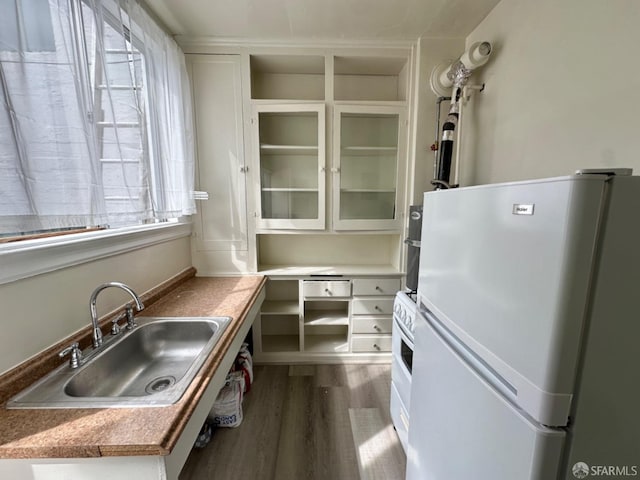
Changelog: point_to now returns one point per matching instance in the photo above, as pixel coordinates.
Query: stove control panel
(405, 311)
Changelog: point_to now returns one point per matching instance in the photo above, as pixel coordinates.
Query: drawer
(372, 306)
(376, 286)
(326, 288)
(371, 343)
(371, 325)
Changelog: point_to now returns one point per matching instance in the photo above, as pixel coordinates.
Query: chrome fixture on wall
(97, 333)
(452, 78)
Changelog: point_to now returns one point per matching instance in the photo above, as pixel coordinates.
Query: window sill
(33, 257)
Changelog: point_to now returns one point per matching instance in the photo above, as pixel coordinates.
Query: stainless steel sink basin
(151, 365)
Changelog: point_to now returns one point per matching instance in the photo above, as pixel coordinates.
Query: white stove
(404, 315)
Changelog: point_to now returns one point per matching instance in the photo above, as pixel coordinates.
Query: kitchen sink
(151, 365)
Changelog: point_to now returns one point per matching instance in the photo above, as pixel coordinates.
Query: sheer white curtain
(48, 174)
(172, 139)
(95, 124)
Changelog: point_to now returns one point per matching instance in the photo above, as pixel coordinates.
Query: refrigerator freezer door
(461, 427)
(507, 269)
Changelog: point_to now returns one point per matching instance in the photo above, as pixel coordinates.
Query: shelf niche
(280, 317)
(363, 78)
(328, 253)
(290, 77)
(326, 326)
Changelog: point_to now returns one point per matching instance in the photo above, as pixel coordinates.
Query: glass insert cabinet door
(291, 164)
(368, 154)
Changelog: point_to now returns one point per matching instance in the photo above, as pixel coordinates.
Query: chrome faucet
(97, 333)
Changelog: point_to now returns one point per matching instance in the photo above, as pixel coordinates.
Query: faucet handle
(75, 359)
(128, 315)
(115, 328)
(131, 321)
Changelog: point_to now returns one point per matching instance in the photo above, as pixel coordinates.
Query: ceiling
(314, 20)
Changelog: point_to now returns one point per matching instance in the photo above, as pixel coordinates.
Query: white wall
(562, 90)
(41, 310)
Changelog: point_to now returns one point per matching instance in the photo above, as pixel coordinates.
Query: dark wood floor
(324, 422)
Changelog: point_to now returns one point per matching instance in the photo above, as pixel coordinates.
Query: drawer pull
(375, 345)
(376, 327)
(377, 308)
(378, 289)
(327, 291)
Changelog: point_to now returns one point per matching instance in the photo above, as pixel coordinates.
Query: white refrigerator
(527, 347)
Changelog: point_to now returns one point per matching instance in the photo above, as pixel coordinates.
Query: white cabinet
(372, 314)
(326, 319)
(364, 167)
(368, 167)
(290, 144)
(220, 240)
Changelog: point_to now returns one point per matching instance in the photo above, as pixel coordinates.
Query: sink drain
(160, 384)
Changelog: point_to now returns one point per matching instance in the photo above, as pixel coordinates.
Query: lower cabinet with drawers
(327, 319)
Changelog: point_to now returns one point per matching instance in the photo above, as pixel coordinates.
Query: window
(95, 121)
(119, 105)
(36, 34)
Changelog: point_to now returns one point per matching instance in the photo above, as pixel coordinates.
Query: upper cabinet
(368, 167)
(290, 142)
(220, 241)
(341, 172)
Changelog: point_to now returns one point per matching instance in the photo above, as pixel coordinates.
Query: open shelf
(326, 325)
(280, 307)
(280, 343)
(294, 77)
(337, 343)
(370, 78)
(326, 317)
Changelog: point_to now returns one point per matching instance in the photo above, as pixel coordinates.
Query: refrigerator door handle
(471, 359)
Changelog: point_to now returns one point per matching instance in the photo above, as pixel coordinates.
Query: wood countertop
(75, 433)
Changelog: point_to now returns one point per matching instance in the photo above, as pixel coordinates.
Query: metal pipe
(439, 101)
